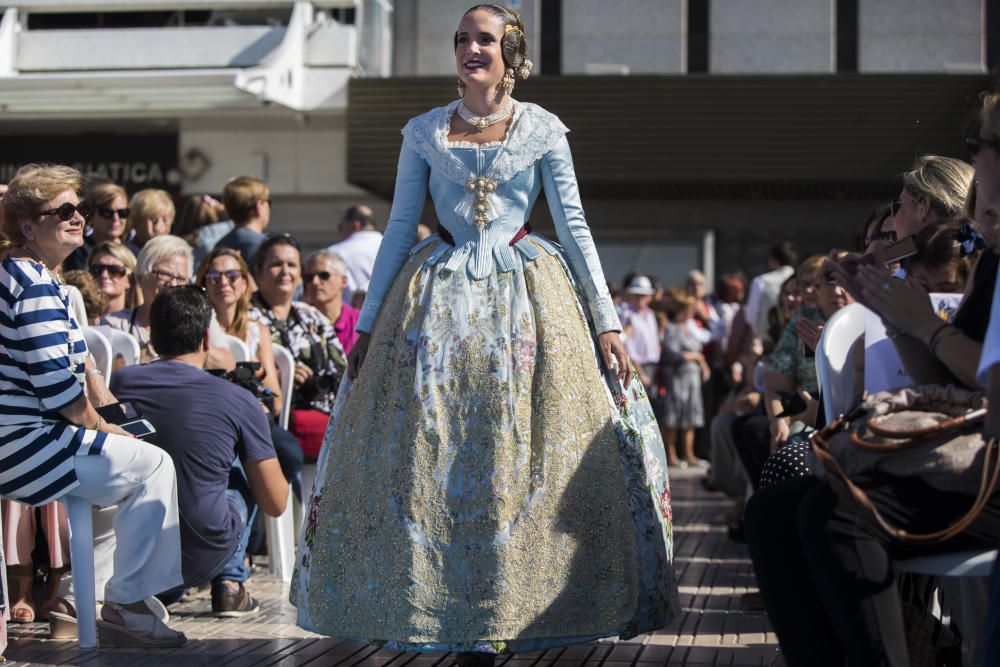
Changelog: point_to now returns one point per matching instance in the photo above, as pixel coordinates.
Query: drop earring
(508, 80)
(461, 88)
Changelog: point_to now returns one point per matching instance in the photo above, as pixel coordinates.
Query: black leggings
(825, 567)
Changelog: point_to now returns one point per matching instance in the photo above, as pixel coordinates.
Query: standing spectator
(202, 223)
(358, 246)
(764, 288)
(248, 202)
(325, 277)
(113, 267)
(221, 449)
(686, 369)
(48, 417)
(642, 341)
(150, 213)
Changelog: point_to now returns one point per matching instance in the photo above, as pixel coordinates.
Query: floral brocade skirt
(484, 484)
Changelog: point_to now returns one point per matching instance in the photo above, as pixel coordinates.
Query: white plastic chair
(836, 381)
(100, 348)
(239, 348)
(123, 344)
(81, 553)
(833, 365)
(281, 530)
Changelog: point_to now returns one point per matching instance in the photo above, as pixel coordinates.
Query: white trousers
(137, 540)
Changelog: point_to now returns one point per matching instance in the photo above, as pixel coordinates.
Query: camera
(245, 375)
(322, 381)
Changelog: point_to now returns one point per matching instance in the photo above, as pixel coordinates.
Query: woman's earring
(461, 88)
(508, 80)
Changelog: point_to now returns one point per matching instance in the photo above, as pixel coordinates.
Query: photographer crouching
(218, 436)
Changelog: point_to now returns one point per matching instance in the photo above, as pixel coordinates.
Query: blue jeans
(234, 567)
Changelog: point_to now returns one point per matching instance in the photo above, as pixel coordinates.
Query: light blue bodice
(534, 156)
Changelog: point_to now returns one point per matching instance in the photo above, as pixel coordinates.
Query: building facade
(702, 129)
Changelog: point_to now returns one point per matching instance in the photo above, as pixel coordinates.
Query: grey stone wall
(644, 36)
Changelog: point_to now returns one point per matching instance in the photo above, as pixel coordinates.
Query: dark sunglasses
(66, 211)
(109, 213)
(829, 279)
(975, 144)
(113, 270)
(323, 275)
(216, 277)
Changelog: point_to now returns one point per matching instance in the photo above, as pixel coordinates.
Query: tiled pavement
(712, 629)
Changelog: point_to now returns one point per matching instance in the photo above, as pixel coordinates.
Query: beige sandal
(120, 627)
(62, 620)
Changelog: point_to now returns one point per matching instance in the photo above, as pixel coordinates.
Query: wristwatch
(93, 371)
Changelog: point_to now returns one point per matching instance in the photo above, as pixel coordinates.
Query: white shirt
(358, 251)
(763, 296)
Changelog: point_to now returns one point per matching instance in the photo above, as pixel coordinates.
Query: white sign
(883, 367)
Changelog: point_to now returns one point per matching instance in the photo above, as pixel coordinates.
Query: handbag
(931, 432)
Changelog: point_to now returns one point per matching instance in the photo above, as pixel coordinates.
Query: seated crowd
(743, 362)
(179, 509)
(732, 375)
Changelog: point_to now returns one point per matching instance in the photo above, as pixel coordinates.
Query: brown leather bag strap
(941, 428)
(987, 486)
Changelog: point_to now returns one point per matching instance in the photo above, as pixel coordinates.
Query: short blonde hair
(160, 248)
(240, 197)
(944, 181)
(150, 204)
(27, 192)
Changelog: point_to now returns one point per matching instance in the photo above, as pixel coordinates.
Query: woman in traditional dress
(496, 482)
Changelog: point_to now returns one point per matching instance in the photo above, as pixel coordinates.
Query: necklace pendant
(481, 124)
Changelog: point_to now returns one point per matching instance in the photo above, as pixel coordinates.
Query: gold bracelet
(97, 424)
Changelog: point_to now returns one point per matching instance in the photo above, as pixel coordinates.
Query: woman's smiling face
(478, 56)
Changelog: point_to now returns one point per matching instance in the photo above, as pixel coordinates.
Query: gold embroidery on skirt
(474, 491)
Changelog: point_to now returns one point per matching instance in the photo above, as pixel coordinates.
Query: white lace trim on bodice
(533, 133)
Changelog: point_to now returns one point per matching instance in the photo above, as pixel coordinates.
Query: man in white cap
(642, 340)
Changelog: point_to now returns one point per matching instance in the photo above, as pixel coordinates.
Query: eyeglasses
(828, 278)
(216, 277)
(323, 275)
(974, 144)
(67, 210)
(112, 270)
(109, 213)
(167, 278)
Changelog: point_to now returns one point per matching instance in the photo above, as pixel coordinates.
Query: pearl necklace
(483, 122)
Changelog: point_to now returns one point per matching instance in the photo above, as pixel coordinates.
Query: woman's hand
(302, 373)
(781, 430)
(615, 356)
(903, 304)
(113, 429)
(808, 332)
(358, 353)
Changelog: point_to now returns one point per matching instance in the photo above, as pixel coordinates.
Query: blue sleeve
(407, 204)
(563, 196)
(42, 347)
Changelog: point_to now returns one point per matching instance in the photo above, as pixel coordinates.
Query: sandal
(120, 627)
(22, 612)
(62, 620)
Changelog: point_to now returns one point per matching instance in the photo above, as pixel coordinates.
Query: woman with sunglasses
(108, 221)
(479, 494)
(225, 278)
(112, 266)
(53, 443)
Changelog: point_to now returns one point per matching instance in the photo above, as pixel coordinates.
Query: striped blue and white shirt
(42, 357)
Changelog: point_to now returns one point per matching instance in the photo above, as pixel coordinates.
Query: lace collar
(533, 133)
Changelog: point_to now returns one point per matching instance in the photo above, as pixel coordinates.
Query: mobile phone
(140, 428)
(900, 250)
(118, 413)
